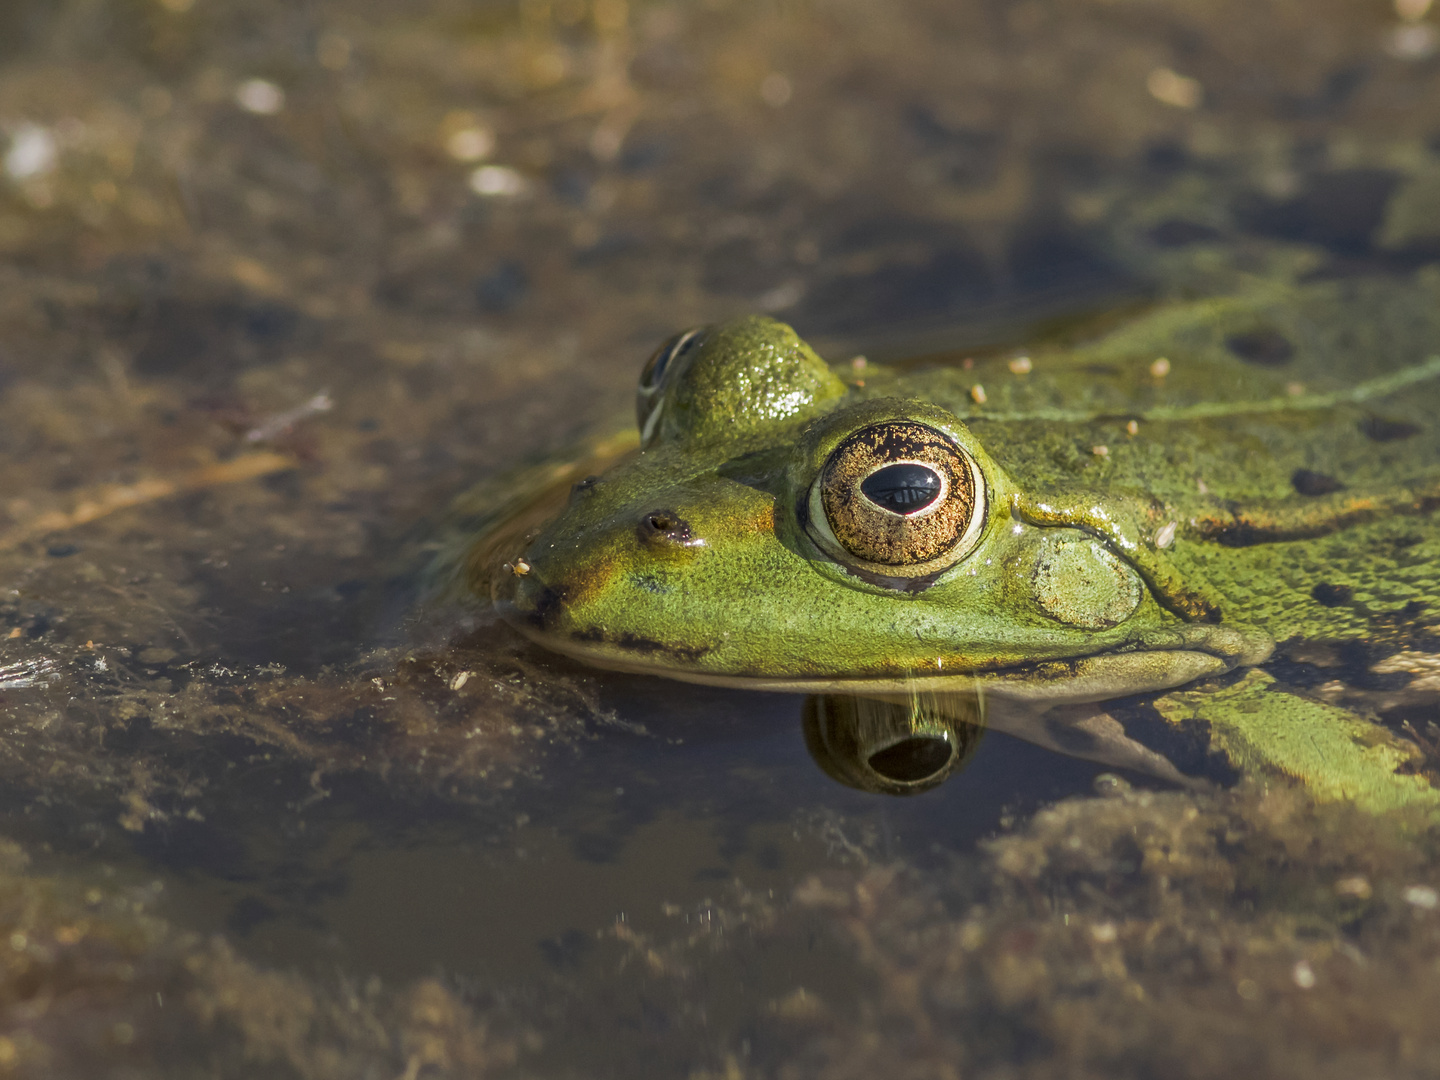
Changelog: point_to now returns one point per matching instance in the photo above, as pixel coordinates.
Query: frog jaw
(1156, 659)
(1099, 677)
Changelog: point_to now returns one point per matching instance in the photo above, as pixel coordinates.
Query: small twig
(282, 422)
(107, 499)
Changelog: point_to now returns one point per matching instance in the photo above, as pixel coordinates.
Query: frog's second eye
(653, 374)
(652, 377)
(901, 498)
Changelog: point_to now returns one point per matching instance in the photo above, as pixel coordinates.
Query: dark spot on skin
(639, 644)
(648, 582)
(1307, 482)
(549, 603)
(1263, 347)
(60, 551)
(1331, 595)
(664, 526)
(635, 643)
(1378, 429)
(582, 486)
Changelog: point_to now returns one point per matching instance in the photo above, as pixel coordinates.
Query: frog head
(778, 530)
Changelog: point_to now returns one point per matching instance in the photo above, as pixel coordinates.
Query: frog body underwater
(1123, 517)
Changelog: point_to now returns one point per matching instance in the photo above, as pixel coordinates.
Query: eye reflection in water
(893, 748)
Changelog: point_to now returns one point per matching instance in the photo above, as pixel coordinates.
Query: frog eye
(652, 377)
(901, 499)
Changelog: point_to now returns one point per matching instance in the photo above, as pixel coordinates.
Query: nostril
(665, 526)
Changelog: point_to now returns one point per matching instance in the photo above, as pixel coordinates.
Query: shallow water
(281, 281)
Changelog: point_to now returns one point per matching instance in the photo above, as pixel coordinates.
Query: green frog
(1014, 540)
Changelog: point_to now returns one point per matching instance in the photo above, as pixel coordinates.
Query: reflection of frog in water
(1124, 517)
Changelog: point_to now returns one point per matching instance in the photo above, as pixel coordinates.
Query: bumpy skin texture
(1145, 524)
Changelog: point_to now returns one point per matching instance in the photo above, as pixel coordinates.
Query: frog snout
(523, 595)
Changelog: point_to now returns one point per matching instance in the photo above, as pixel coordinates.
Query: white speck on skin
(977, 394)
(492, 181)
(1104, 932)
(1100, 451)
(260, 96)
(1160, 368)
(1303, 974)
(1166, 536)
(1021, 365)
(33, 153)
(1132, 428)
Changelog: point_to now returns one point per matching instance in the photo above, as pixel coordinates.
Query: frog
(1186, 509)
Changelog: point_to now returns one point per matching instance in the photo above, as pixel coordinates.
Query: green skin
(1186, 548)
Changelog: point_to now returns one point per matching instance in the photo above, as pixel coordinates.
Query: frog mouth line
(1098, 677)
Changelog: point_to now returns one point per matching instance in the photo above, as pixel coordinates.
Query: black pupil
(913, 759)
(903, 488)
